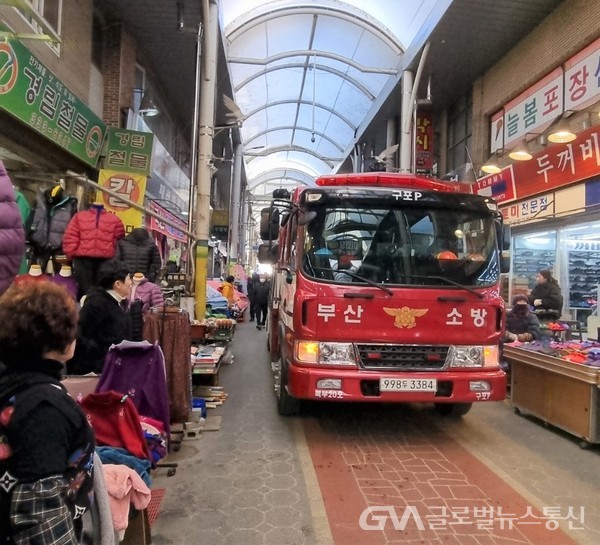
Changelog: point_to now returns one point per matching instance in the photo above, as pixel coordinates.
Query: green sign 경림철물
(32, 93)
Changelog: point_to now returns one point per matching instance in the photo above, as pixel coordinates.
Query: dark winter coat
(102, 322)
(140, 253)
(50, 471)
(549, 293)
(12, 235)
(261, 293)
(50, 218)
(93, 233)
(519, 324)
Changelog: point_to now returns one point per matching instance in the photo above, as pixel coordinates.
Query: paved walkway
(491, 478)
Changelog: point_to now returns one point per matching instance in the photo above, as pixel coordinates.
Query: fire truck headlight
(325, 353)
(474, 356)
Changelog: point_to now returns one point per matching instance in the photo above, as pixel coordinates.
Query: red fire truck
(386, 287)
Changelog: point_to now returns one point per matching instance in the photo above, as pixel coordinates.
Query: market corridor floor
(490, 478)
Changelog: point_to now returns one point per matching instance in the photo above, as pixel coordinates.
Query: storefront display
(562, 392)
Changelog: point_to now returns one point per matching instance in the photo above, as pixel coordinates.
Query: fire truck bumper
(461, 386)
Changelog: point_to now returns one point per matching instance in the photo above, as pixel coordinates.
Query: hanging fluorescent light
(562, 132)
(521, 152)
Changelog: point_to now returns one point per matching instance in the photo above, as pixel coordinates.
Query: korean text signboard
(424, 143)
(33, 94)
(555, 167)
(129, 186)
(129, 151)
(577, 86)
(164, 228)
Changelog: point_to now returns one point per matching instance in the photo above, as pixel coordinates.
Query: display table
(563, 394)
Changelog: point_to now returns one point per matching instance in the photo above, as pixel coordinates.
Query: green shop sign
(128, 151)
(32, 93)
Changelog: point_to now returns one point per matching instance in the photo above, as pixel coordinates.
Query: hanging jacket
(148, 293)
(140, 253)
(138, 369)
(12, 235)
(51, 216)
(116, 422)
(93, 233)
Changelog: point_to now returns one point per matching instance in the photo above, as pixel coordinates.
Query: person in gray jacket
(139, 252)
(12, 235)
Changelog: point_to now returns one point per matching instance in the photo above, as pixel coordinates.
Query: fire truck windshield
(401, 244)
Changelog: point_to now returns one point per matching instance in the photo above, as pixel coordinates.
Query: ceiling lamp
(521, 152)
(562, 132)
(147, 106)
(491, 165)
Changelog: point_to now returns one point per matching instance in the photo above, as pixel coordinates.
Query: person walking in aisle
(261, 300)
(252, 283)
(46, 459)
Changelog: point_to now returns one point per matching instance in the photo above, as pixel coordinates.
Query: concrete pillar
(406, 137)
(206, 120)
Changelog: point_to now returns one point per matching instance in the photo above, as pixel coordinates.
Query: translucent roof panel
(306, 74)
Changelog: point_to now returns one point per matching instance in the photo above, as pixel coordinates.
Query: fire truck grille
(402, 357)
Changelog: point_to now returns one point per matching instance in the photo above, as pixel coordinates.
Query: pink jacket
(148, 293)
(124, 486)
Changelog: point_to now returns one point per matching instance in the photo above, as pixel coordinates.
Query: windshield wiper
(358, 277)
(447, 281)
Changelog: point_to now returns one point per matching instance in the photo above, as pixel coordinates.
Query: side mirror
(281, 194)
(269, 223)
(267, 253)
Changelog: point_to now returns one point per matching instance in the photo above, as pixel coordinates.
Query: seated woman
(521, 324)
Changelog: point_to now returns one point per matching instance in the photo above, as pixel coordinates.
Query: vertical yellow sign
(129, 186)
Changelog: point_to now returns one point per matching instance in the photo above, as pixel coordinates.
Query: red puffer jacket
(93, 233)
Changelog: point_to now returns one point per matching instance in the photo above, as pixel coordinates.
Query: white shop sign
(574, 88)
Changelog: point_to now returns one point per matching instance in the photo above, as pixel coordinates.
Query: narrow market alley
(492, 477)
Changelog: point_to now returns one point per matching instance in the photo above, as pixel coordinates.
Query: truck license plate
(407, 384)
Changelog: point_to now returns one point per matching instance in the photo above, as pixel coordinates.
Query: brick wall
(572, 26)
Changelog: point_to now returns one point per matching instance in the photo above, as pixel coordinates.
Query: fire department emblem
(405, 317)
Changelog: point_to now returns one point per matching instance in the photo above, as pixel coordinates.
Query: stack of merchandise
(205, 358)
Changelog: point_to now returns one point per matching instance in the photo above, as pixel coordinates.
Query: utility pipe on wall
(234, 219)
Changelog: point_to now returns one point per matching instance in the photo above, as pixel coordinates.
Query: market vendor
(521, 323)
(546, 294)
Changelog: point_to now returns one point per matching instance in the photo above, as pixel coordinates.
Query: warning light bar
(392, 179)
